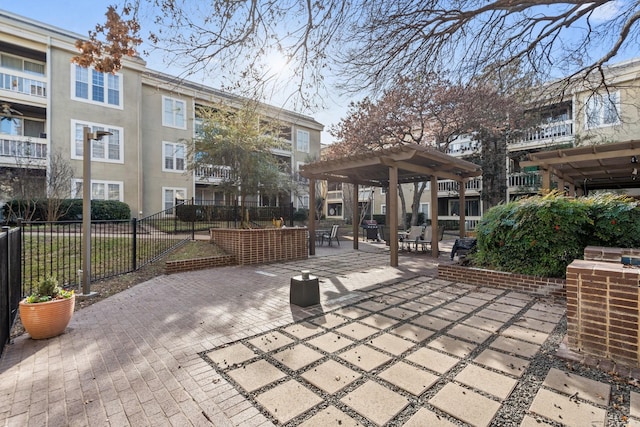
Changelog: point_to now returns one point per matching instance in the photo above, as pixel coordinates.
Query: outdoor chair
(427, 237)
(410, 237)
(333, 235)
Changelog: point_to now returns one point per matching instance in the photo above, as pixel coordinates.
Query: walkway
(387, 346)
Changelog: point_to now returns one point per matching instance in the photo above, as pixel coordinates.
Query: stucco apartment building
(46, 101)
(582, 118)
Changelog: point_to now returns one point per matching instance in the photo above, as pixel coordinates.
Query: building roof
(594, 167)
(415, 164)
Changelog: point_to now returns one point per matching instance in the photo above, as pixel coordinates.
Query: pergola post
(546, 180)
(312, 216)
(463, 209)
(435, 251)
(356, 216)
(393, 215)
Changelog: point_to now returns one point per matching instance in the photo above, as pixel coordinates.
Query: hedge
(70, 209)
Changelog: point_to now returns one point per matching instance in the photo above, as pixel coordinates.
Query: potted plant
(47, 312)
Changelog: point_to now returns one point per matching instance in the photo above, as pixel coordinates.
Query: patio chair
(427, 237)
(410, 237)
(333, 235)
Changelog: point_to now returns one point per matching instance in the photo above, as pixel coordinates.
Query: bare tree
(366, 45)
(59, 176)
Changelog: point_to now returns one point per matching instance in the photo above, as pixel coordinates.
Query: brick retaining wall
(199, 263)
(518, 282)
(262, 245)
(602, 310)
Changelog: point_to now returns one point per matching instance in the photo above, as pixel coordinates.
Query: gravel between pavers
(512, 410)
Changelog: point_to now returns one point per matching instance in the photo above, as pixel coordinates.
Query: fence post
(7, 280)
(134, 244)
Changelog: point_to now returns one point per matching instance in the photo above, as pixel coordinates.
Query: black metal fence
(10, 280)
(206, 214)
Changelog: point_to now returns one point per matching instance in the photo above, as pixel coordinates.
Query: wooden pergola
(387, 168)
(593, 167)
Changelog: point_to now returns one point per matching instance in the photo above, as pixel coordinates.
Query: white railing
(448, 185)
(525, 180)
(545, 133)
(23, 83)
(334, 195)
(212, 174)
(23, 151)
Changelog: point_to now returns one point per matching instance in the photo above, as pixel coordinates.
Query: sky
(80, 16)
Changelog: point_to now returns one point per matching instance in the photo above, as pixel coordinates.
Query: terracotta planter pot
(47, 319)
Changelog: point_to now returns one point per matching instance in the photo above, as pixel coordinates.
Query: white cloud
(608, 10)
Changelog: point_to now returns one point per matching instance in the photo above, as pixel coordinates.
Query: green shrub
(69, 210)
(541, 235)
(102, 210)
(301, 215)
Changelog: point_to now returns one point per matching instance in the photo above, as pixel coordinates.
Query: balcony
(525, 181)
(212, 174)
(544, 136)
(23, 84)
(283, 148)
(24, 152)
(449, 186)
(334, 195)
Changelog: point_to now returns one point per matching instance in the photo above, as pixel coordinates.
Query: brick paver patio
(387, 346)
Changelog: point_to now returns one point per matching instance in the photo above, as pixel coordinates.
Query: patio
(387, 346)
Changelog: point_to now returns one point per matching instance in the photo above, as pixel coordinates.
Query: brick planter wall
(602, 253)
(545, 286)
(602, 310)
(262, 245)
(199, 263)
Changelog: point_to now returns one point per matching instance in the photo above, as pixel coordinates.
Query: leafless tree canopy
(364, 45)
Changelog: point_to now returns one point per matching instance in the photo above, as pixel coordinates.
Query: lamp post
(88, 136)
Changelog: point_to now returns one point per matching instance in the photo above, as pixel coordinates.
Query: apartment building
(46, 101)
(581, 118)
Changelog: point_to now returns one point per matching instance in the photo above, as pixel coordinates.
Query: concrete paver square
(588, 389)
(409, 378)
(330, 342)
(566, 411)
(486, 294)
(303, 330)
(425, 417)
(452, 346)
(288, 400)
(431, 300)
(412, 332)
(398, 313)
(255, 375)
(525, 334)
(559, 309)
(297, 356)
(466, 405)
(529, 421)
(271, 341)
(469, 333)
(352, 312)
(330, 376)
(391, 344)
(365, 357)
(517, 347)
(469, 300)
(379, 321)
(490, 382)
(433, 360)
(445, 313)
(228, 356)
(504, 308)
(535, 324)
(373, 305)
(494, 315)
(634, 406)
(431, 322)
(330, 416)
(483, 323)
(512, 300)
(329, 320)
(502, 362)
(458, 306)
(406, 294)
(416, 306)
(375, 402)
(541, 315)
(357, 330)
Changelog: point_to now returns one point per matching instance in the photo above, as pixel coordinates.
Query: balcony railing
(525, 180)
(334, 195)
(23, 151)
(453, 186)
(212, 174)
(544, 134)
(26, 84)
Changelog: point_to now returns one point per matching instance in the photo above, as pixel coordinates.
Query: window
(424, 208)
(472, 207)
(169, 196)
(173, 113)
(96, 87)
(303, 202)
(100, 190)
(302, 139)
(108, 149)
(173, 157)
(383, 209)
(19, 64)
(602, 110)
